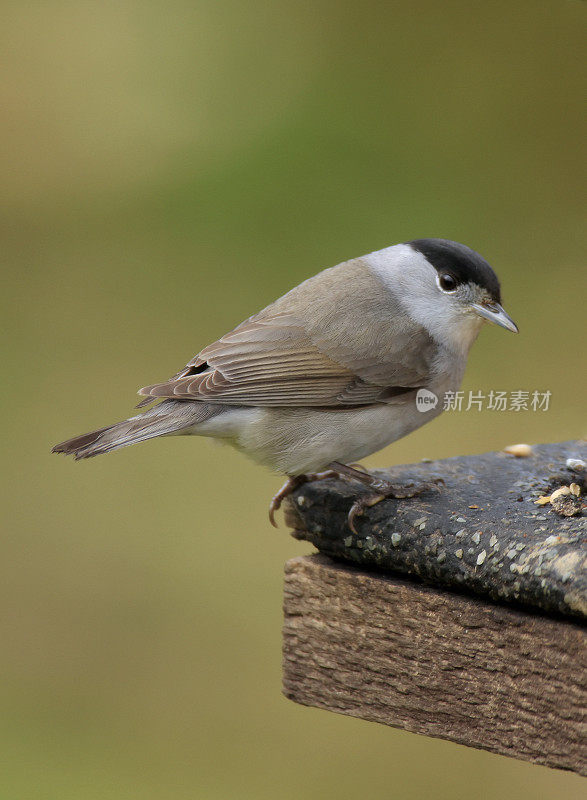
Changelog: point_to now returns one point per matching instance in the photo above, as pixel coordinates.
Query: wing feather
(277, 358)
(263, 364)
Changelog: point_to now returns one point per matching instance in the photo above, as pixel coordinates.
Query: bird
(330, 372)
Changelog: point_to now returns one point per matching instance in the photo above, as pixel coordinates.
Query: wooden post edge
(435, 662)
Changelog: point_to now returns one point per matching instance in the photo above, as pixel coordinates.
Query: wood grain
(435, 662)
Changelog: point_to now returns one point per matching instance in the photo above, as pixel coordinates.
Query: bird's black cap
(464, 264)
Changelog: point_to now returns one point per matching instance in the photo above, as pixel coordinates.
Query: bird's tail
(169, 416)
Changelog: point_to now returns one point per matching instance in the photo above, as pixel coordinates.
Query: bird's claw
(360, 505)
(288, 487)
(384, 489)
(291, 485)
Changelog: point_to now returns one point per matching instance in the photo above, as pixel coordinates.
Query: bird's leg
(379, 486)
(291, 485)
(380, 490)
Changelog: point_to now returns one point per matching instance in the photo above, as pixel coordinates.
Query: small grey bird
(330, 372)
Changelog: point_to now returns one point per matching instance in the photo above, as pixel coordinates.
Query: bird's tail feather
(169, 416)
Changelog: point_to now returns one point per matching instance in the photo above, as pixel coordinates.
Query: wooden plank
(435, 662)
(481, 531)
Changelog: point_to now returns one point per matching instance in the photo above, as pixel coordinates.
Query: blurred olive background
(169, 169)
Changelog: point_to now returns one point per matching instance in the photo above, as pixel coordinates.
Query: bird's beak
(493, 312)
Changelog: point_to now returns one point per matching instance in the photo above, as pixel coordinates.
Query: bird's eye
(447, 282)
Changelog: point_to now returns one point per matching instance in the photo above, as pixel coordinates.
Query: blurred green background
(169, 169)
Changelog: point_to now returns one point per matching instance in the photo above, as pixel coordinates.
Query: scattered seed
(459, 553)
(561, 492)
(461, 519)
(417, 522)
(493, 540)
(473, 506)
(441, 557)
(519, 450)
(476, 537)
(575, 489)
(575, 464)
(348, 541)
(395, 539)
(481, 557)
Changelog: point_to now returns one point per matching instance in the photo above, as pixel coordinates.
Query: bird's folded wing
(271, 361)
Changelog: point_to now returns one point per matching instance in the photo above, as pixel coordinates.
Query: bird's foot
(380, 490)
(291, 485)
